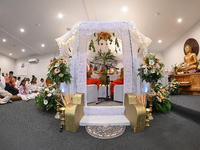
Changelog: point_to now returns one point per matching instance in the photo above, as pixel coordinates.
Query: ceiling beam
(89, 6)
(21, 41)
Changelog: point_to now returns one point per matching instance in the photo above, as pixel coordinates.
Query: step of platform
(104, 110)
(106, 120)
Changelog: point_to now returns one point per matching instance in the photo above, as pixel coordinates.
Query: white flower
(151, 62)
(198, 66)
(56, 65)
(145, 71)
(49, 95)
(53, 90)
(153, 70)
(60, 75)
(47, 89)
(45, 102)
(144, 66)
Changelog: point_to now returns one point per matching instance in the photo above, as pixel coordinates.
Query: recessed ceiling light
(124, 9)
(60, 15)
(179, 20)
(43, 45)
(10, 54)
(22, 30)
(157, 14)
(159, 41)
(23, 50)
(4, 40)
(68, 29)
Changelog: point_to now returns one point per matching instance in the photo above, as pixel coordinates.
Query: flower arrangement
(46, 99)
(162, 101)
(173, 87)
(151, 69)
(171, 76)
(198, 64)
(59, 70)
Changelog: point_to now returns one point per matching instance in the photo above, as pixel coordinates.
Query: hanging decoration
(106, 37)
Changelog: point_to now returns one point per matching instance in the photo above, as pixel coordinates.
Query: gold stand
(62, 120)
(57, 116)
(57, 93)
(148, 110)
(150, 96)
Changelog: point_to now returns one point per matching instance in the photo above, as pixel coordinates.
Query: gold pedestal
(151, 96)
(148, 110)
(57, 116)
(57, 93)
(62, 120)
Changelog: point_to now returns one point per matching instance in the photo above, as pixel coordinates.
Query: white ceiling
(16, 14)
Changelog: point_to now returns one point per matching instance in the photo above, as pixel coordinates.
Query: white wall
(174, 53)
(7, 64)
(39, 69)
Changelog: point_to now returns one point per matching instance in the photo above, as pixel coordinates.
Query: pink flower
(154, 66)
(159, 99)
(56, 70)
(65, 61)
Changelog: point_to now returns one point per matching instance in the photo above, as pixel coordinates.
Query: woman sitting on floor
(24, 91)
(34, 87)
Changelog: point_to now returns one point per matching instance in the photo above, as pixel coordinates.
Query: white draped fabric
(133, 45)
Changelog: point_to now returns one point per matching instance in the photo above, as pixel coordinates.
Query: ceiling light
(10, 54)
(22, 30)
(157, 14)
(23, 50)
(179, 20)
(124, 9)
(60, 15)
(43, 45)
(4, 40)
(159, 41)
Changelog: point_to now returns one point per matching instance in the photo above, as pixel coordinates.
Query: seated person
(18, 82)
(34, 88)
(117, 82)
(10, 84)
(24, 91)
(7, 96)
(92, 80)
(42, 83)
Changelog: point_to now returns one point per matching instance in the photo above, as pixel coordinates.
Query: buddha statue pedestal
(189, 83)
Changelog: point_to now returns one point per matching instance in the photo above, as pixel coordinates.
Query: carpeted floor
(25, 127)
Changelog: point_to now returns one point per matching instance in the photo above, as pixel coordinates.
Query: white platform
(92, 93)
(102, 91)
(104, 110)
(118, 93)
(104, 120)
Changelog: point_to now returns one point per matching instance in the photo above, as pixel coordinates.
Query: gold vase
(151, 96)
(57, 93)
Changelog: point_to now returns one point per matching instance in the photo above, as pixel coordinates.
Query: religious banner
(22, 69)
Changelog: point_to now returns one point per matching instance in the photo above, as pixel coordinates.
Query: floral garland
(173, 87)
(59, 70)
(151, 69)
(46, 99)
(162, 101)
(171, 76)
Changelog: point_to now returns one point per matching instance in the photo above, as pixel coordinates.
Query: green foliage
(59, 70)
(106, 57)
(162, 102)
(151, 69)
(46, 100)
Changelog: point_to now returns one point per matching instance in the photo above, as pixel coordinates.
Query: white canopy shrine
(75, 43)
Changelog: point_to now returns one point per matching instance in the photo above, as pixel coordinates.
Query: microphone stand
(107, 97)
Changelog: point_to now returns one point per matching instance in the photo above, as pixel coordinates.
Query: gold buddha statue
(190, 61)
